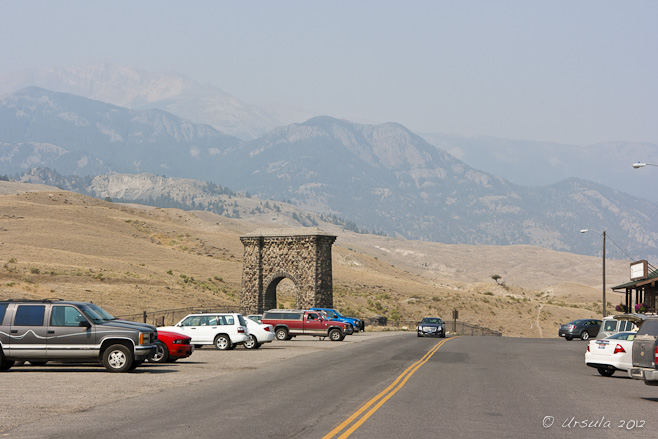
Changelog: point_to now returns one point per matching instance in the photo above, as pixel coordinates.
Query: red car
(171, 346)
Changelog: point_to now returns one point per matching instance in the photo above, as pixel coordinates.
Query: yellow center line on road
(384, 396)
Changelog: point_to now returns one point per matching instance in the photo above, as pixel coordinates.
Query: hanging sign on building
(639, 270)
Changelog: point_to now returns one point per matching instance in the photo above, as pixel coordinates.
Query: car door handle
(50, 331)
(14, 331)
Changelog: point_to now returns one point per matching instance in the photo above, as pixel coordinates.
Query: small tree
(497, 278)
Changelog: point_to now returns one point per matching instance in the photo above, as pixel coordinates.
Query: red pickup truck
(289, 323)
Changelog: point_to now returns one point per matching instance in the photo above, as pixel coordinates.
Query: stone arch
(301, 255)
(271, 283)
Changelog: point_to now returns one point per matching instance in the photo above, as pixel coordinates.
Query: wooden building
(640, 293)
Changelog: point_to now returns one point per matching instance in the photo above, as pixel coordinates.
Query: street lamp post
(639, 165)
(605, 313)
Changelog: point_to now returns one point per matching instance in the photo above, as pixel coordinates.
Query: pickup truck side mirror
(84, 324)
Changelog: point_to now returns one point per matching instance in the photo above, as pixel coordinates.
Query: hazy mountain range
(384, 178)
(532, 163)
(172, 92)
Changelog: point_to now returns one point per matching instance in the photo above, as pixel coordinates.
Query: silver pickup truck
(46, 330)
(645, 352)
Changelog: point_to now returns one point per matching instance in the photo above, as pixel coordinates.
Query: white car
(259, 333)
(224, 330)
(611, 353)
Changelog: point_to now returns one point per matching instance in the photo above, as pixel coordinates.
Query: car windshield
(101, 312)
(91, 314)
(190, 321)
(432, 321)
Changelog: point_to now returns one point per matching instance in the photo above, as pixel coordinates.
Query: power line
(624, 252)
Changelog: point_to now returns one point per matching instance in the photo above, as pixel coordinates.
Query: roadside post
(455, 316)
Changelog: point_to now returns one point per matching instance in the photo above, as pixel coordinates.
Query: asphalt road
(466, 387)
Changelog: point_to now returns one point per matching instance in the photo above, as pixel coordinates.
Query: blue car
(358, 325)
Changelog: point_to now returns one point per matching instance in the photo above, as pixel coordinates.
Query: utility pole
(605, 311)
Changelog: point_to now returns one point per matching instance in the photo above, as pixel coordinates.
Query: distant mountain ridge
(80, 136)
(531, 163)
(385, 177)
(382, 177)
(139, 90)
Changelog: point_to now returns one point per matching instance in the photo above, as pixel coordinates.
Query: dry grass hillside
(131, 258)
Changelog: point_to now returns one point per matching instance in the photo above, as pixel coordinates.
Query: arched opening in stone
(302, 256)
(281, 293)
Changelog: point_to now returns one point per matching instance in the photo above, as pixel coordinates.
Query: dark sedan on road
(581, 328)
(431, 326)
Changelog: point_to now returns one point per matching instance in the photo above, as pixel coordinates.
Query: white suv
(224, 330)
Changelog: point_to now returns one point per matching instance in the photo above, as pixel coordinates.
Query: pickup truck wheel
(336, 335)
(117, 358)
(282, 334)
(584, 335)
(223, 342)
(251, 343)
(605, 371)
(4, 363)
(161, 353)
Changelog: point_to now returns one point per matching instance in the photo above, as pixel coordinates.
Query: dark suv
(582, 328)
(645, 352)
(39, 331)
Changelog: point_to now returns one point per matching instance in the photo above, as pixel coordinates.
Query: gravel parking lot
(33, 393)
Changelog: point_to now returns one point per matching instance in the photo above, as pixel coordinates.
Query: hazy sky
(561, 70)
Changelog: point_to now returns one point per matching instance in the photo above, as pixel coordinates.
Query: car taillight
(655, 356)
(571, 327)
(619, 349)
(240, 330)
(267, 328)
(587, 348)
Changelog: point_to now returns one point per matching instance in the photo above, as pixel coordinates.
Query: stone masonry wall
(302, 257)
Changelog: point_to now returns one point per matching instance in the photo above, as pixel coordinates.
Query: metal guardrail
(463, 328)
(454, 327)
(170, 317)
